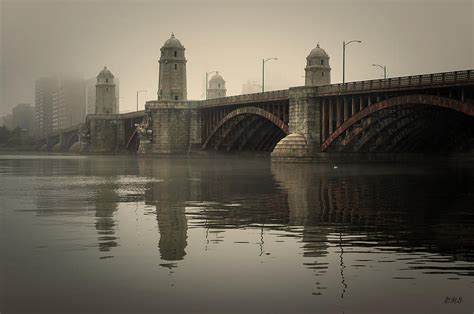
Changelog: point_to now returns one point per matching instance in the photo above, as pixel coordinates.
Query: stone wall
(107, 133)
(176, 127)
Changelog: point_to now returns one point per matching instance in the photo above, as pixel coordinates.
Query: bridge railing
(401, 82)
(272, 95)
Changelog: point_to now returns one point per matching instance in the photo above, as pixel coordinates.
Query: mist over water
(111, 234)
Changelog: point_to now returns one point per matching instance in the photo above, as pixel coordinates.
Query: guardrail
(401, 82)
(256, 97)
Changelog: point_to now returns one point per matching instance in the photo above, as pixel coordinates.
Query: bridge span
(419, 113)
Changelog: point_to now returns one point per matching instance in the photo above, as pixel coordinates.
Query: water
(121, 234)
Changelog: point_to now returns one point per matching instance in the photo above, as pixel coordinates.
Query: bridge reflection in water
(356, 230)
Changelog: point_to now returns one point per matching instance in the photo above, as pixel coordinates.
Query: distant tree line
(18, 138)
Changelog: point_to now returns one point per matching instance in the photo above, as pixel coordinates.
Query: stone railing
(248, 98)
(422, 80)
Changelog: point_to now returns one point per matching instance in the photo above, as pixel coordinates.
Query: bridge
(419, 113)
(100, 133)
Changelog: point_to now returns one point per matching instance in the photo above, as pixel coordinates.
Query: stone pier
(304, 139)
(176, 127)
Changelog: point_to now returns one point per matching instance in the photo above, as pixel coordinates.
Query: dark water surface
(121, 234)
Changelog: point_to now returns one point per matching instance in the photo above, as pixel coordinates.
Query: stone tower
(317, 71)
(216, 87)
(105, 101)
(172, 79)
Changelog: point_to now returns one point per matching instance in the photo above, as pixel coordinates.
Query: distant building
(91, 94)
(7, 121)
(172, 78)
(44, 89)
(105, 101)
(216, 88)
(68, 103)
(23, 116)
(251, 88)
(317, 71)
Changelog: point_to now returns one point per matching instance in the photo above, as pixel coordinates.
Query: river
(125, 234)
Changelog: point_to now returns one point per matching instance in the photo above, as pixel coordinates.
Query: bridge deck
(395, 83)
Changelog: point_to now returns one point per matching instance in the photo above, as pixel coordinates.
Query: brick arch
(431, 100)
(247, 110)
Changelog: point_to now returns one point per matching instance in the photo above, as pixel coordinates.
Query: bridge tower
(216, 87)
(105, 102)
(172, 78)
(317, 71)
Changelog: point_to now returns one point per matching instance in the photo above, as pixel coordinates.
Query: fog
(43, 37)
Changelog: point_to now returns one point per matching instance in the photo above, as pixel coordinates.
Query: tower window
(322, 62)
(106, 80)
(309, 63)
(175, 66)
(175, 53)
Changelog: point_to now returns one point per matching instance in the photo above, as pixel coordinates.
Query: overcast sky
(44, 37)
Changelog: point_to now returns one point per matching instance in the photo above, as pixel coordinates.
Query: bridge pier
(107, 133)
(176, 127)
(305, 119)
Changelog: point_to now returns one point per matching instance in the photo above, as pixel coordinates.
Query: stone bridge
(100, 133)
(420, 113)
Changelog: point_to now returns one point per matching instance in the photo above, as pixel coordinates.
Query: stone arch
(249, 111)
(431, 100)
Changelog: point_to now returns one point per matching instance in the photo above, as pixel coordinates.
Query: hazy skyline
(40, 38)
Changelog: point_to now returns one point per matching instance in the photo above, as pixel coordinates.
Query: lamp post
(263, 71)
(344, 44)
(384, 68)
(207, 80)
(138, 92)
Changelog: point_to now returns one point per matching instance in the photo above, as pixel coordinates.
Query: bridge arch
(406, 100)
(277, 128)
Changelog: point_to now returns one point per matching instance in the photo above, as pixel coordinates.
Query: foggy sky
(44, 37)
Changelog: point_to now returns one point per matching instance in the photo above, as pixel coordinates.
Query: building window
(322, 62)
(175, 97)
(106, 89)
(322, 74)
(309, 63)
(106, 80)
(175, 66)
(175, 53)
(219, 85)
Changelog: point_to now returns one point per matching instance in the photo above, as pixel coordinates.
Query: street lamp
(138, 92)
(207, 81)
(384, 68)
(344, 44)
(263, 71)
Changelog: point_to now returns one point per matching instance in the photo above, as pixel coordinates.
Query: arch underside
(406, 128)
(250, 129)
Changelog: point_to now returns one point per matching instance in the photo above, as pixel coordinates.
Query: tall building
(105, 102)
(44, 89)
(23, 117)
(251, 88)
(317, 71)
(7, 121)
(68, 103)
(216, 87)
(172, 78)
(91, 94)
